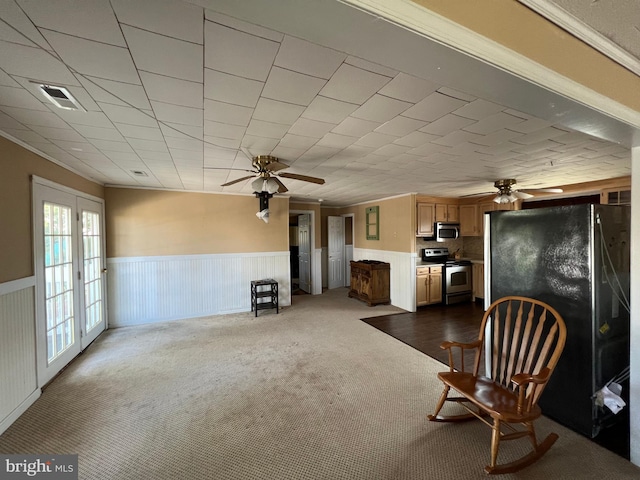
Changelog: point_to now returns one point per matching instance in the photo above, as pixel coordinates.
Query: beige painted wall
(518, 28)
(17, 165)
(155, 222)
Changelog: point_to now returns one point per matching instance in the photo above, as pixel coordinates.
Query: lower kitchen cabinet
(370, 281)
(428, 285)
(477, 275)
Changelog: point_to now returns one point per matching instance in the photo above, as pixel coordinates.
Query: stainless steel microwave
(446, 231)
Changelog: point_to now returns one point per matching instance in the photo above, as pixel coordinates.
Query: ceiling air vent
(60, 97)
(139, 173)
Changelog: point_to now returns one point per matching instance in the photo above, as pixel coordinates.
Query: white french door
(69, 259)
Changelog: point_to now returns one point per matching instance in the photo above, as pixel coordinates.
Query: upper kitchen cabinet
(447, 213)
(425, 219)
(469, 221)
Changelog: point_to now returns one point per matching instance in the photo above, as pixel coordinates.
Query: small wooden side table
(264, 295)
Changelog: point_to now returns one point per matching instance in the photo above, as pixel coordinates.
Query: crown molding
(584, 32)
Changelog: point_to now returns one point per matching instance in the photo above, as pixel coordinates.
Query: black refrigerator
(576, 259)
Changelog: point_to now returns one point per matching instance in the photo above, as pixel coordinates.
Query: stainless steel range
(456, 275)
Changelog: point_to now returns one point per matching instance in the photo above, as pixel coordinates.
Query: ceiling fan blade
(546, 190)
(521, 195)
(304, 178)
(226, 168)
(478, 194)
(276, 165)
(236, 181)
(282, 188)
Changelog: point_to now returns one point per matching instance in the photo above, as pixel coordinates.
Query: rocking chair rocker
(526, 338)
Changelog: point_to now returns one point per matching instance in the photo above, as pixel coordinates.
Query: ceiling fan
(265, 168)
(506, 192)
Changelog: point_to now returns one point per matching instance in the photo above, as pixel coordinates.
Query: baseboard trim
(19, 410)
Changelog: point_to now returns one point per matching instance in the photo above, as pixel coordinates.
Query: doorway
(69, 267)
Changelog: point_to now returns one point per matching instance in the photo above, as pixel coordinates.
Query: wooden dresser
(370, 281)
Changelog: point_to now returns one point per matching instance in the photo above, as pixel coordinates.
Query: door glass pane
(91, 242)
(58, 269)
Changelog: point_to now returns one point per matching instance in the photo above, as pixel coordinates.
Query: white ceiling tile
(77, 146)
(415, 139)
(27, 136)
(478, 109)
(408, 88)
(116, 93)
(400, 126)
(223, 142)
(99, 133)
(223, 130)
(13, 15)
(29, 62)
(243, 26)
(308, 58)
(111, 146)
(497, 137)
(450, 92)
(277, 112)
(7, 122)
(287, 153)
(375, 140)
(141, 133)
(228, 113)
(353, 85)
(454, 138)
(178, 114)
(539, 135)
(371, 67)
(164, 55)
(139, 144)
(433, 107)
(172, 90)
(175, 19)
(355, 127)
(297, 141)
(187, 156)
(291, 87)
(7, 81)
(446, 124)
(267, 129)
(191, 144)
(328, 110)
(428, 149)
(336, 141)
(128, 115)
(231, 89)
(238, 53)
(531, 125)
(493, 122)
(67, 134)
(35, 117)
(259, 145)
(152, 156)
(227, 154)
(380, 109)
(170, 129)
(94, 58)
(19, 97)
(91, 19)
(11, 35)
(311, 128)
(391, 150)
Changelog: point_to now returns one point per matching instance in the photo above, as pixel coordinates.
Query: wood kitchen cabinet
(425, 219)
(370, 281)
(428, 285)
(477, 279)
(447, 213)
(469, 221)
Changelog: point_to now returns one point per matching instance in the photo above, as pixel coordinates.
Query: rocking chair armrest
(522, 379)
(447, 345)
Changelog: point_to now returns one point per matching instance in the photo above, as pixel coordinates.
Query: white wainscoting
(18, 382)
(402, 275)
(316, 272)
(160, 288)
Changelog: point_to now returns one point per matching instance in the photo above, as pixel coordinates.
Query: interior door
(336, 251)
(304, 252)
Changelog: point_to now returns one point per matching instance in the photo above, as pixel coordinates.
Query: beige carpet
(310, 393)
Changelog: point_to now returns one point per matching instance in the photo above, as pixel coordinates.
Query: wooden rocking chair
(526, 339)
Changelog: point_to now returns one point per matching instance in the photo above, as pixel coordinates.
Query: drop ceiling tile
(67, 134)
(454, 138)
(236, 24)
(446, 124)
(277, 112)
(125, 159)
(91, 19)
(139, 132)
(415, 139)
(183, 157)
(371, 67)
(99, 133)
(13, 15)
(223, 130)
(152, 155)
(190, 144)
(35, 117)
(479, 109)
(336, 141)
(139, 144)
(540, 135)
(400, 126)
(29, 62)
(116, 93)
(497, 137)
(493, 123)
(180, 131)
(297, 141)
(223, 142)
(355, 127)
(111, 146)
(267, 129)
(174, 19)
(228, 113)
(292, 87)
(178, 114)
(310, 128)
(7, 122)
(259, 145)
(128, 115)
(75, 146)
(231, 89)
(20, 98)
(450, 92)
(428, 149)
(380, 109)
(287, 154)
(391, 150)
(433, 107)
(353, 85)
(227, 154)
(27, 136)
(238, 53)
(308, 58)
(328, 110)
(375, 140)
(164, 55)
(172, 90)
(11, 35)
(7, 81)
(408, 88)
(94, 58)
